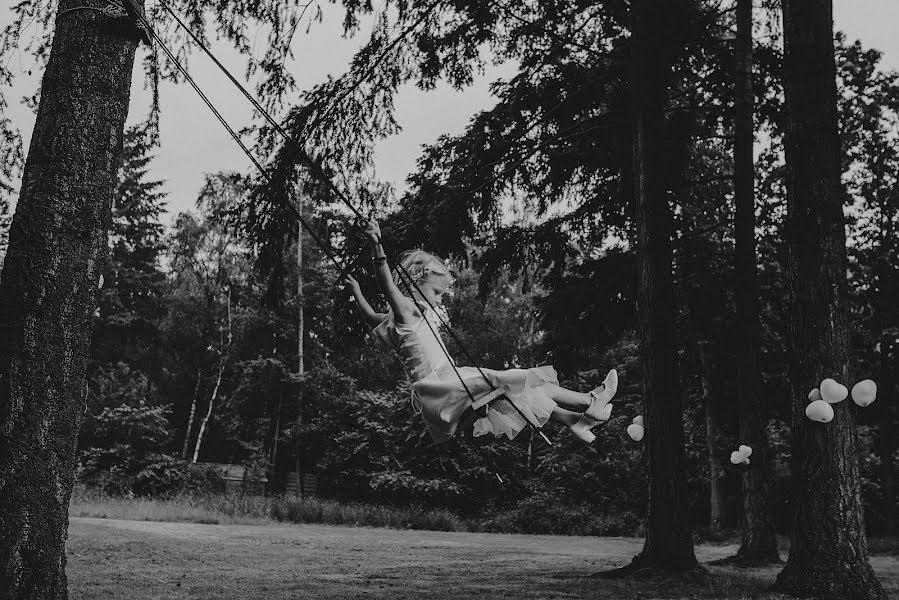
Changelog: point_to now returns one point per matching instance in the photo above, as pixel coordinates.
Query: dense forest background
(195, 352)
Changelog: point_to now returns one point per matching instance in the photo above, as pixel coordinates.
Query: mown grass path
(141, 560)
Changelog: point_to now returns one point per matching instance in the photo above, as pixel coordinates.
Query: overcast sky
(194, 143)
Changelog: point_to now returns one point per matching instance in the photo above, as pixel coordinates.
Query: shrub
(315, 510)
(544, 514)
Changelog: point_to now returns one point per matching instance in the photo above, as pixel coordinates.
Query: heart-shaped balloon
(745, 450)
(638, 420)
(815, 394)
(864, 392)
(635, 431)
(738, 458)
(833, 392)
(820, 411)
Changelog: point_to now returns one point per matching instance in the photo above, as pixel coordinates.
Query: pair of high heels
(599, 410)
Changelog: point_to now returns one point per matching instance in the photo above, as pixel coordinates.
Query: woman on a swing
(437, 383)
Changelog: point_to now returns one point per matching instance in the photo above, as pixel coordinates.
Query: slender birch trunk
(226, 351)
(190, 418)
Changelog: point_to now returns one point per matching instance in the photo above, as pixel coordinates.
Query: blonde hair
(419, 265)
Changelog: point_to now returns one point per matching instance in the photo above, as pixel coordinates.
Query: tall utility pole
(301, 369)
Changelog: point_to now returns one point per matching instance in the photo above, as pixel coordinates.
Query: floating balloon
(864, 392)
(636, 432)
(815, 394)
(737, 458)
(741, 455)
(833, 392)
(820, 411)
(638, 420)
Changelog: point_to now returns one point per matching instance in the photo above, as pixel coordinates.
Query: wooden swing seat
(479, 407)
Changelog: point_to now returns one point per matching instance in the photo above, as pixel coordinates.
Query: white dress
(442, 397)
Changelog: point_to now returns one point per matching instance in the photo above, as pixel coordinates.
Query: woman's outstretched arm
(404, 310)
(372, 316)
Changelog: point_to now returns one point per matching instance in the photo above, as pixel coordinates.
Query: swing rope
(318, 171)
(246, 150)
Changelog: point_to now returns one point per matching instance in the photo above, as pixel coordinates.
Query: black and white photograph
(439, 299)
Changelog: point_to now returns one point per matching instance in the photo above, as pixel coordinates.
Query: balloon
(746, 460)
(638, 420)
(813, 395)
(820, 411)
(635, 431)
(745, 450)
(833, 392)
(864, 392)
(737, 458)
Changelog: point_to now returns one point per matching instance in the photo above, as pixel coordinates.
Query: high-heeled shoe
(599, 410)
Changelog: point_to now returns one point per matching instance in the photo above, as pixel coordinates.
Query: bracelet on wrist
(379, 259)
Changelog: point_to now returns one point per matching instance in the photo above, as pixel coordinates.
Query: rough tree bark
(829, 554)
(669, 543)
(49, 291)
(759, 542)
(884, 308)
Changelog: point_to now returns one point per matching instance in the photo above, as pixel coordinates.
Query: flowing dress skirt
(443, 398)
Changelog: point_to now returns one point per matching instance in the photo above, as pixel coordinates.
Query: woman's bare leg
(566, 417)
(566, 398)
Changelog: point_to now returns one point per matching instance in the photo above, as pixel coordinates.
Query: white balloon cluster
(635, 429)
(831, 392)
(741, 456)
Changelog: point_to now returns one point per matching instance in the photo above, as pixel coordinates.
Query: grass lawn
(139, 560)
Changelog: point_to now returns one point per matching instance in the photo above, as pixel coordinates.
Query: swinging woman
(442, 390)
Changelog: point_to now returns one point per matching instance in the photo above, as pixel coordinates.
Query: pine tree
(131, 302)
(759, 542)
(669, 544)
(829, 552)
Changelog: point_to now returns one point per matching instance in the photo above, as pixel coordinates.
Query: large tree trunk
(829, 553)
(882, 321)
(669, 544)
(759, 543)
(48, 292)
